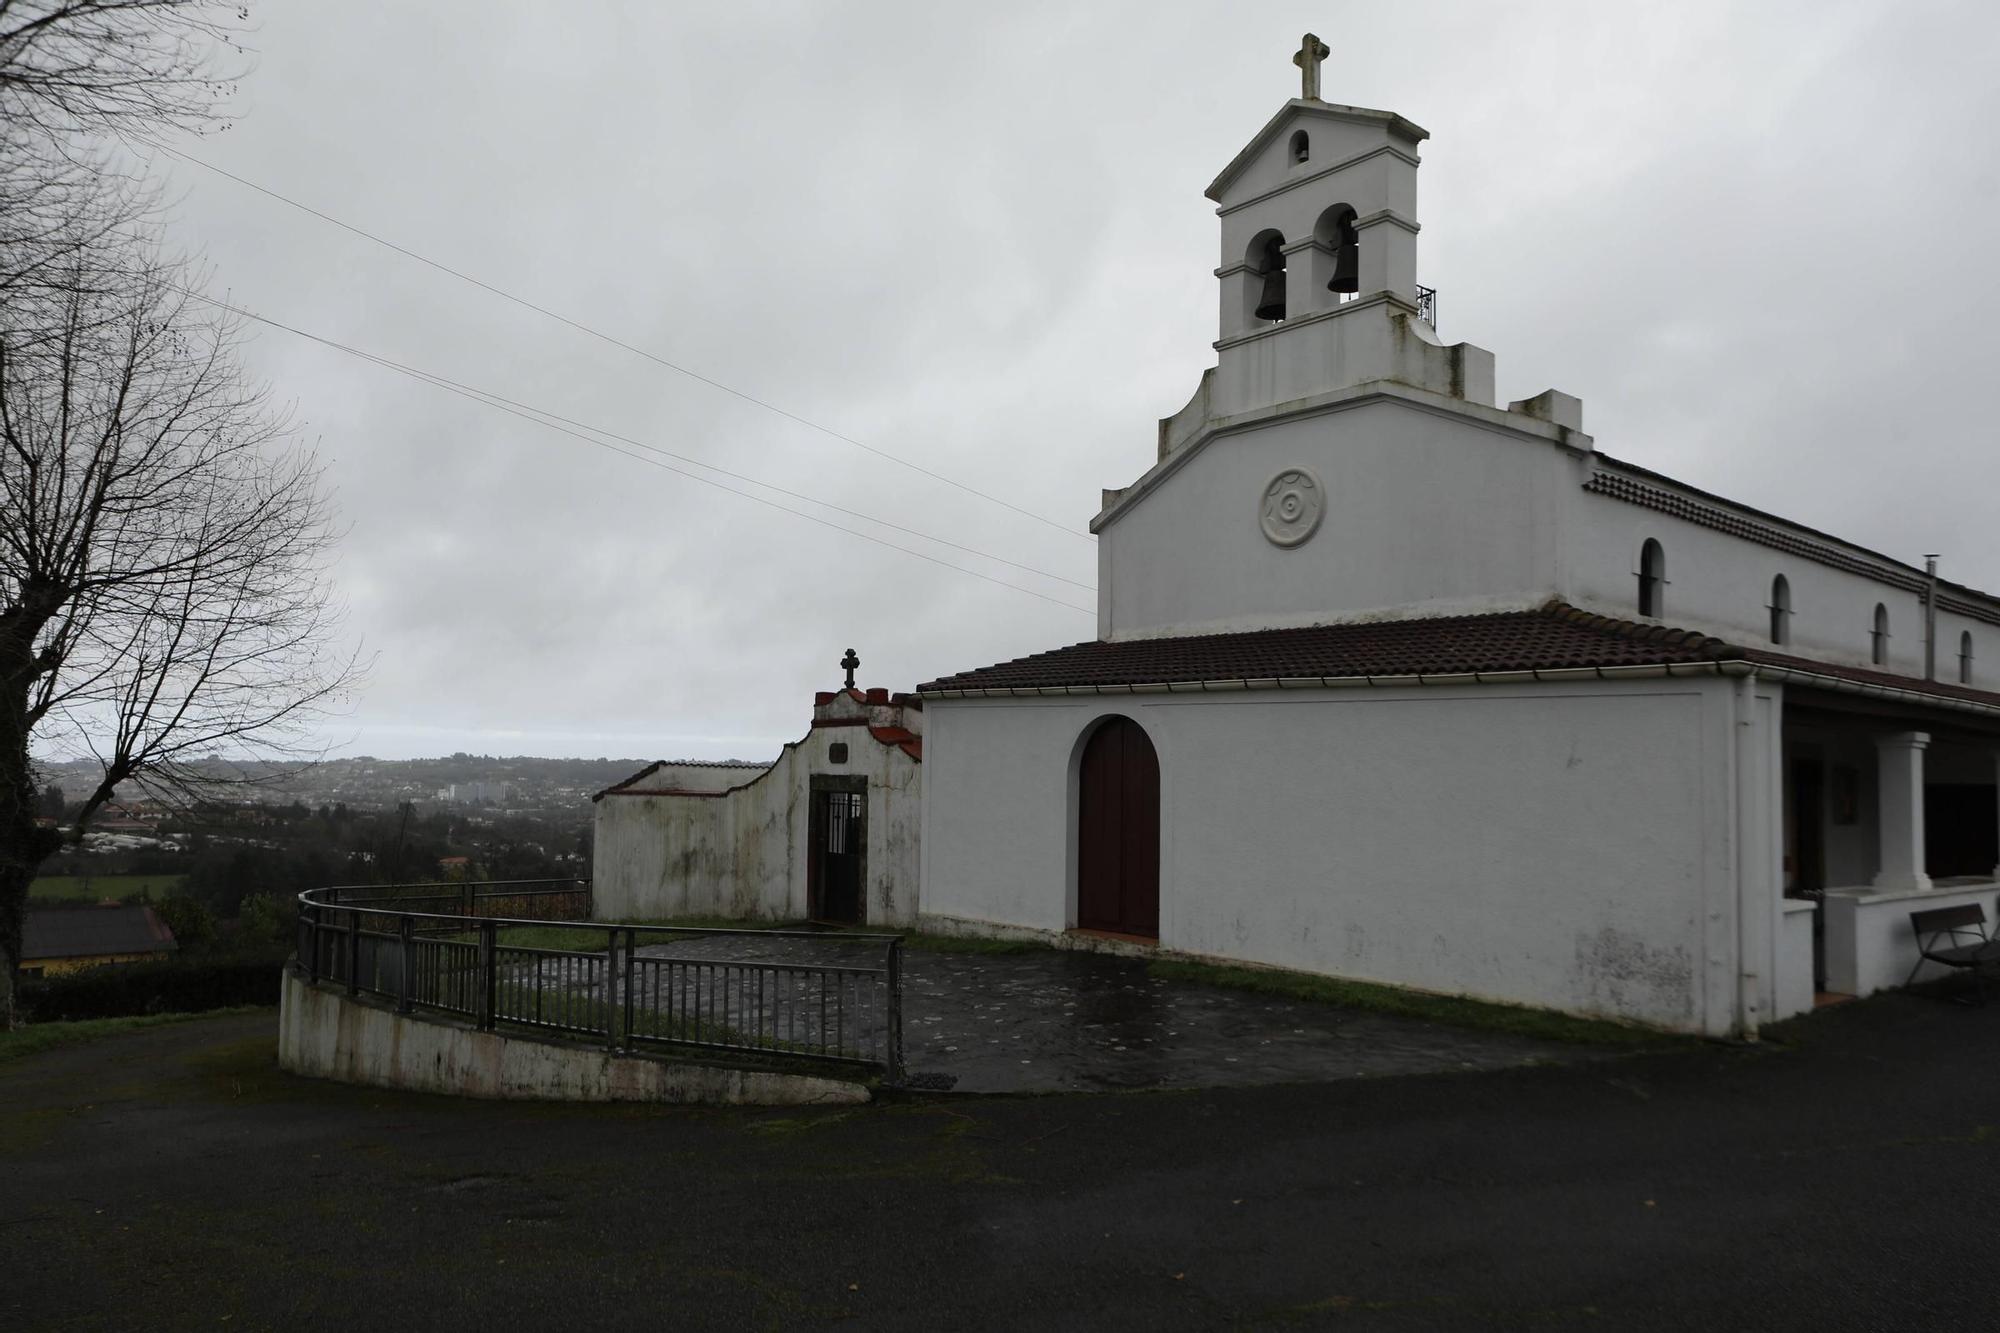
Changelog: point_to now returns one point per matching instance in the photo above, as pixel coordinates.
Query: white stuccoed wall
(1437, 500)
(742, 853)
(1568, 846)
(1721, 584)
(1426, 514)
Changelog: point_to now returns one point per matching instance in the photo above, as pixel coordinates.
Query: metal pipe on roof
(1930, 617)
(1756, 903)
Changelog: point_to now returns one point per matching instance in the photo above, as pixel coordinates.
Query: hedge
(151, 988)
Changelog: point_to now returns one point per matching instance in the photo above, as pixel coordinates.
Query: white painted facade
(1619, 846)
(735, 840)
(1548, 845)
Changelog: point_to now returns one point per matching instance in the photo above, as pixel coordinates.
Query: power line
(617, 342)
(550, 420)
(502, 400)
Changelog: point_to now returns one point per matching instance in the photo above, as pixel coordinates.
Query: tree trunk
(24, 844)
(13, 910)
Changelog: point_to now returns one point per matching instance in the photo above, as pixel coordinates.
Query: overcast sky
(1756, 239)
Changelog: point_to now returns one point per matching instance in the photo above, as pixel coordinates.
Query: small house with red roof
(1397, 680)
(829, 830)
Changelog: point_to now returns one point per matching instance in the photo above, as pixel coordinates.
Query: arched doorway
(1118, 831)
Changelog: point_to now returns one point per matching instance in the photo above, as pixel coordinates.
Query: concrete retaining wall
(325, 1034)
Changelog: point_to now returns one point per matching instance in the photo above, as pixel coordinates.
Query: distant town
(511, 784)
(268, 832)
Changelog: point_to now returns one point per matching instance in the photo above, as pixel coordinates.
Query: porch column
(1899, 787)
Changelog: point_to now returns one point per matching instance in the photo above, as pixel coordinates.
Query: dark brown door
(1118, 832)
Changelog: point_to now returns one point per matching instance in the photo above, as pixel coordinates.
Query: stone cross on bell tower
(1311, 51)
(850, 662)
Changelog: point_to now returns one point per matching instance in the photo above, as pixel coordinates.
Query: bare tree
(163, 537)
(76, 78)
(163, 540)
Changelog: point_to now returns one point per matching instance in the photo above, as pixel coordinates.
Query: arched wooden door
(1118, 832)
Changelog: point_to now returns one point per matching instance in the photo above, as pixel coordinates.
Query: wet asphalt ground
(1064, 1021)
(174, 1178)
(1049, 1020)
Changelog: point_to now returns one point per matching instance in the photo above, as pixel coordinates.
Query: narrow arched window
(1878, 638)
(1301, 147)
(1652, 580)
(1965, 658)
(1267, 262)
(1781, 610)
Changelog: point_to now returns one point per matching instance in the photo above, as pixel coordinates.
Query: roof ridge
(647, 771)
(1641, 631)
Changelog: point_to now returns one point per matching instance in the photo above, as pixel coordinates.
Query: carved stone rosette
(1292, 506)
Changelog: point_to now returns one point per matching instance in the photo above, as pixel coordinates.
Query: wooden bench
(1956, 938)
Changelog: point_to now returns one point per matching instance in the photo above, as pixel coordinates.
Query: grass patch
(39, 1037)
(578, 939)
(95, 888)
(514, 1003)
(977, 944)
(593, 937)
(1542, 1024)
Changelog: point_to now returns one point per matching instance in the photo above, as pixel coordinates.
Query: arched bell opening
(1266, 262)
(1337, 253)
(1301, 147)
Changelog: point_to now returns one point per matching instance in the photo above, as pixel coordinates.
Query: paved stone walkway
(1063, 1022)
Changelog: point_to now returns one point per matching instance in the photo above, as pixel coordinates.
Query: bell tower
(1318, 270)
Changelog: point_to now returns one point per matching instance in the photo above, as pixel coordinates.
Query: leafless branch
(164, 600)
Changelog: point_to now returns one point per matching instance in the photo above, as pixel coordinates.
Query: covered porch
(1888, 810)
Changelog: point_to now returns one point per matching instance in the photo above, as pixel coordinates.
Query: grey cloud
(1755, 239)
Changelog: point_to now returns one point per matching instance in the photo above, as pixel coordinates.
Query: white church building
(1396, 682)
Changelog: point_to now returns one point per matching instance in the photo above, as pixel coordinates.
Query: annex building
(828, 830)
(1396, 682)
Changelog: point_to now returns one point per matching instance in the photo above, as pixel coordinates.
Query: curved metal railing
(523, 956)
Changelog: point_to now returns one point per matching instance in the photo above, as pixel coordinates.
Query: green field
(94, 888)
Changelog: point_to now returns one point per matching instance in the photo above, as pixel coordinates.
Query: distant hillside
(364, 782)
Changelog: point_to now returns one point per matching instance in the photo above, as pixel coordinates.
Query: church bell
(1346, 268)
(1271, 303)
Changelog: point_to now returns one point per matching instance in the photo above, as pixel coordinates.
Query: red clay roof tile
(1551, 638)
